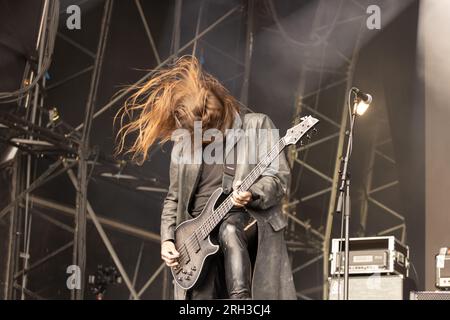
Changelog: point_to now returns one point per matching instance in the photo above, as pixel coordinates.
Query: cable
(48, 36)
(416, 276)
(350, 112)
(340, 253)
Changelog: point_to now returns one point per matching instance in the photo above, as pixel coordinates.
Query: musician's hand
(241, 199)
(169, 254)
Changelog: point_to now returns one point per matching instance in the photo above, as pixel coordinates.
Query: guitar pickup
(196, 243)
(177, 269)
(185, 255)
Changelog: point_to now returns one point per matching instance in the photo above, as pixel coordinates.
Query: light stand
(360, 105)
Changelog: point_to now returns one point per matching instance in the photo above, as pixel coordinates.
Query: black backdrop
(386, 67)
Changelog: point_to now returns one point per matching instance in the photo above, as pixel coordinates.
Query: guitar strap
(230, 161)
(229, 168)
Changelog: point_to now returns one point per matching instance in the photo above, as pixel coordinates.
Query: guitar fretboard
(219, 213)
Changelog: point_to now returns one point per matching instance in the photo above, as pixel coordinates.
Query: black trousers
(228, 275)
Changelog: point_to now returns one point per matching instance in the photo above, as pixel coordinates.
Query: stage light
(362, 101)
(362, 107)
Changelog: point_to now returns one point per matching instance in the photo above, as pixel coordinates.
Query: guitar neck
(227, 204)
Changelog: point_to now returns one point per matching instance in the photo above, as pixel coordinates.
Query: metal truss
(25, 205)
(375, 198)
(71, 149)
(308, 100)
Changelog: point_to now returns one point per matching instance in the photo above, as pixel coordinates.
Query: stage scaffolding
(319, 50)
(74, 157)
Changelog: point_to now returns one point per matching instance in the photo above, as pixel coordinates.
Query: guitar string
(217, 214)
(212, 220)
(189, 243)
(248, 181)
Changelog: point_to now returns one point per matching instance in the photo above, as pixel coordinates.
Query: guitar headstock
(294, 134)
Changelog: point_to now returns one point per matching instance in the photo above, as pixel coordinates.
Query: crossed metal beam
(50, 173)
(339, 136)
(378, 156)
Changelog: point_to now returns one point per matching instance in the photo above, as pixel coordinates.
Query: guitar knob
(184, 271)
(193, 268)
(190, 273)
(188, 278)
(180, 279)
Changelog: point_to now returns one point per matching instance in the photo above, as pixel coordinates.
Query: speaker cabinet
(374, 287)
(430, 295)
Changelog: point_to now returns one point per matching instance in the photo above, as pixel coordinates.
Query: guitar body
(193, 250)
(192, 237)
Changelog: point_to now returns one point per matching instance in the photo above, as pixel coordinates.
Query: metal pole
(27, 225)
(170, 58)
(106, 241)
(28, 292)
(136, 269)
(79, 249)
(248, 51)
(76, 45)
(44, 177)
(152, 278)
(108, 223)
(332, 202)
(197, 28)
(13, 233)
(147, 31)
(44, 259)
(176, 28)
(331, 208)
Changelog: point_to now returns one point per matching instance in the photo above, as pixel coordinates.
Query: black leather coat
(272, 276)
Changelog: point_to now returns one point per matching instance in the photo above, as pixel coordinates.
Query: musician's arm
(169, 212)
(270, 188)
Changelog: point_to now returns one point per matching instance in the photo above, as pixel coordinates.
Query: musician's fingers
(234, 198)
(169, 255)
(243, 196)
(170, 263)
(241, 199)
(169, 260)
(168, 249)
(173, 253)
(238, 203)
